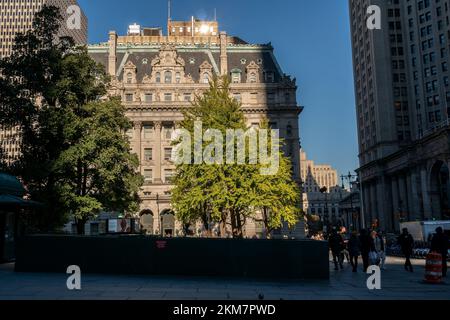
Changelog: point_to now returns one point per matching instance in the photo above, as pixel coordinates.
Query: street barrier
(290, 259)
(433, 268)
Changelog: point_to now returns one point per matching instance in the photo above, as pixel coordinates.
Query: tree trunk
(80, 226)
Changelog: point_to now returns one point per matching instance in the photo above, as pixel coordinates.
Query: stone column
(112, 59)
(395, 202)
(158, 153)
(415, 209)
(367, 206)
(410, 195)
(383, 203)
(427, 212)
(402, 195)
(373, 203)
(223, 53)
(138, 135)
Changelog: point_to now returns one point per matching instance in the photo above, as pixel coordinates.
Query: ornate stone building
(316, 200)
(159, 76)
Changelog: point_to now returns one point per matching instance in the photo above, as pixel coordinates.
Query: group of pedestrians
(370, 245)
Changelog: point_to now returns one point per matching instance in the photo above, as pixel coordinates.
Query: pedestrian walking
(336, 243)
(406, 242)
(354, 250)
(345, 254)
(440, 244)
(365, 246)
(378, 246)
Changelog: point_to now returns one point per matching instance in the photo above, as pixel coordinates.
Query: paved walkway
(396, 285)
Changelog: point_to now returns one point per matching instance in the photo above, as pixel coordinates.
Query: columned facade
(411, 185)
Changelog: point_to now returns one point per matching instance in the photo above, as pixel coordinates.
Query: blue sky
(312, 43)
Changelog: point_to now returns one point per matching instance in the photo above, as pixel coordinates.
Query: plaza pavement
(343, 285)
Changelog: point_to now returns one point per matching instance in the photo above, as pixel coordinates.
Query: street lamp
(324, 191)
(351, 178)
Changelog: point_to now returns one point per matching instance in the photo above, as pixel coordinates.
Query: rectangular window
(168, 154)
(129, 97)
(148, 130)
(148, 154)
(148, 97)
(167, 97)
(169, 175)
(168, 132)
(148, 176)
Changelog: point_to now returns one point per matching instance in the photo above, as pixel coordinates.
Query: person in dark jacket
(365, 247)
(406, 242)
(336, 243)
(354, 250)
(440, 245)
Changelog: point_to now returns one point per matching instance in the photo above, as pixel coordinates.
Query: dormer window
(269, 77)
(129, 78)
(236, 76)
(205, 72)
(168, 77)
(253, 73)
(205, 78)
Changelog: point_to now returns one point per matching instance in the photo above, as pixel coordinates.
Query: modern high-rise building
(159, 76)
(402, 91)
(16, 16)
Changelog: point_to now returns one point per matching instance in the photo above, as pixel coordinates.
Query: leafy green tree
(50, 91)
(230, 193)
(98, 171)
(277, 196)
(29, 100)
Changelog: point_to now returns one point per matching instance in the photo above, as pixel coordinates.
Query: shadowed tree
(50, 91)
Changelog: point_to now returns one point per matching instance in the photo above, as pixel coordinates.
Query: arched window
(168, 77)
(178, 77)
(158, 77)
(129, 78)
(205, 78)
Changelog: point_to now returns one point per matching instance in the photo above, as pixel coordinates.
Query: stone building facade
(402, 91)
(316, 200)
(159, 76)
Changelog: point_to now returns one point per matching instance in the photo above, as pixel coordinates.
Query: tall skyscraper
(16, 16)
(402, 93)
(158, 77)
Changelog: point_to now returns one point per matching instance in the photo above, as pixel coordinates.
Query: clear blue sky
(312, 43)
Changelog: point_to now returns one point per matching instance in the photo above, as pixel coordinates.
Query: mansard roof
(240, 56)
